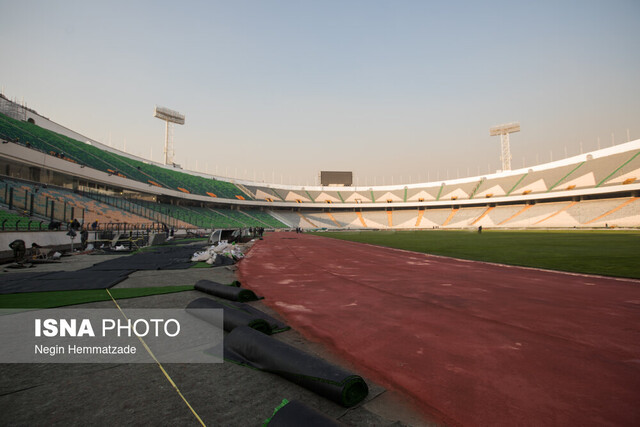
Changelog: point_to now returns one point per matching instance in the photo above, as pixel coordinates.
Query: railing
(16, 225)
(126, 226)
(31, 202)
(49, 203)
(140, 208)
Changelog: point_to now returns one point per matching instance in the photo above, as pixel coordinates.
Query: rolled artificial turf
(248, 347)
(238, 314)
(233, 317)
(233, 293)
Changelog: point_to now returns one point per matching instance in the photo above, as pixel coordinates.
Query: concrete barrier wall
(42, 238)
(54, 239)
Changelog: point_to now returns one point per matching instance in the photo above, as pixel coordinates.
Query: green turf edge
(275, 410)
(201, 264)
(606, 253)
(64, 298)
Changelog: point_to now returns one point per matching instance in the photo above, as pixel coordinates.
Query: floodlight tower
(170, 117)
(504, 131)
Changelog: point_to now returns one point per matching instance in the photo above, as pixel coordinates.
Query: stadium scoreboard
(336, 178)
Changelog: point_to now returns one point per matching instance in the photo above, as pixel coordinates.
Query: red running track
(473, 343)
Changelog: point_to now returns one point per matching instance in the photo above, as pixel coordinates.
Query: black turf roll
(232, 293)
(251, 348)
(232, 317)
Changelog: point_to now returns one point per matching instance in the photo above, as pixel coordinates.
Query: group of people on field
(256, 231)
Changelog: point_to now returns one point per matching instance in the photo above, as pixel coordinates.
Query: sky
(395, 91)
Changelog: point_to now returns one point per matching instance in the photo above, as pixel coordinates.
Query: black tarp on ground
(295, 413)
(233, 293)
(248, 347)
(162, 258)
(101, 275)
(61, 281)
(236, 314)
(222, 260)
(12, 281)
(85, 273)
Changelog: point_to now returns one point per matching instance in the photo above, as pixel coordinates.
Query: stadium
(337, 213)
(331, 292)
(598, 189)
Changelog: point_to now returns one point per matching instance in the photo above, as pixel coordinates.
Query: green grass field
(65, 298)
(609, 253)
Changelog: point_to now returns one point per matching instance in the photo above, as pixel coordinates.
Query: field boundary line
(570, 273)
(166, 374)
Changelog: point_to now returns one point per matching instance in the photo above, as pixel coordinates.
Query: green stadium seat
(79, 152)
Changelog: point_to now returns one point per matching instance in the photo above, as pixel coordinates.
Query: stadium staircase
(564, 208)
(265, 218)
(454, 211)
(245, 190)
(332, 218)
(485, 213)
(361, 218)
(616, 209)
(521, 211)
(253, 220)
(476, 188)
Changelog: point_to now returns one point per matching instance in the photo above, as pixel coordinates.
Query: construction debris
(220, 253)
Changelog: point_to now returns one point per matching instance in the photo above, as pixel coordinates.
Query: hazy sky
(402, 89)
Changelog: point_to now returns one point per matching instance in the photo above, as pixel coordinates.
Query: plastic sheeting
(170, 257)
(232, 293)
(221, 253)
(248, 347)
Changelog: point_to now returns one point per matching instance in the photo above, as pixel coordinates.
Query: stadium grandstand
(51, 173)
